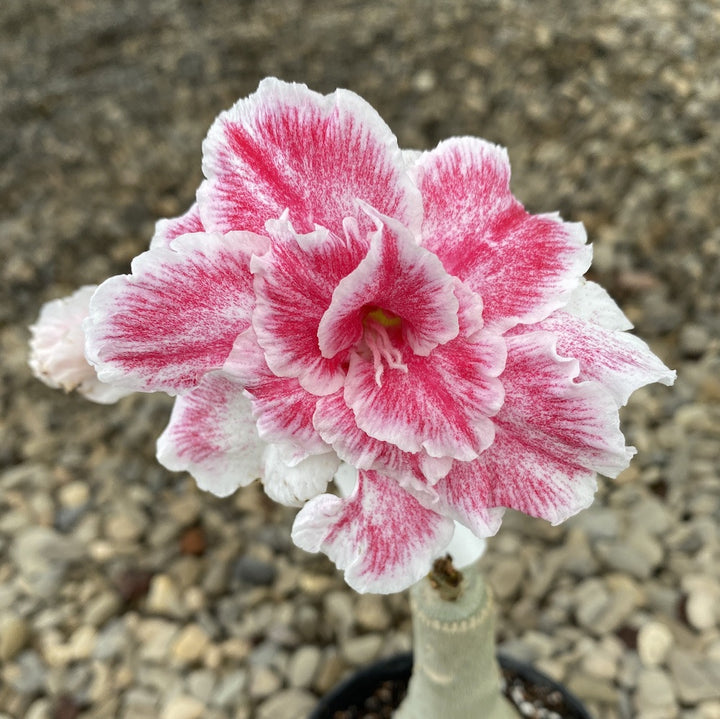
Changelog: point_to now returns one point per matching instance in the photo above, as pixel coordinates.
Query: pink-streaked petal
(398, 278)
(292, 483)
(523, 266)
(619, 361)
(168, 229)
(57, 349)
(552, 434)
(294, 283)
(441, 404)
(460, 496)
(176, 316)
(517, 475)
(546, 401)
(336, 424)
(212, 436)
(287, 147)
(283, 410)
(591, 302)
(382, 537)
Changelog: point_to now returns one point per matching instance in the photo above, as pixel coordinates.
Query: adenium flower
(330, 298)
(57, 349)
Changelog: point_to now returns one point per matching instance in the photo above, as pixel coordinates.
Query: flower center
(378, 325)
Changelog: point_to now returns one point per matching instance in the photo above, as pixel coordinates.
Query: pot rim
(399, 666)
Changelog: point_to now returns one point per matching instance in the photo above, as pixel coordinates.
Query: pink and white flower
(330, 298)
(57, 349)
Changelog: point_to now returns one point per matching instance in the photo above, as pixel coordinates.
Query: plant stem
(455, 674)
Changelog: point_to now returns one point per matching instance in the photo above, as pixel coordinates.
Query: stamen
(382, 349)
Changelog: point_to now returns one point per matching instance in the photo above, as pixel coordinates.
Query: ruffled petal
(212, 436)
(168, 229)
(291, 481)
(283, 410)
(591, 302)
(287, 147)
(621, 362)
(399, 280)
(294, 283)
(176, 316)
(382, 537)
(552, 434)
(523, 266)
(441, 404)
(57, 349)
(589, 329)
(336, 424)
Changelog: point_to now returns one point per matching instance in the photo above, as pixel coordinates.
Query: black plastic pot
(354, 690)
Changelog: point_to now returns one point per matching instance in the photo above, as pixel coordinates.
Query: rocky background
(124, 591)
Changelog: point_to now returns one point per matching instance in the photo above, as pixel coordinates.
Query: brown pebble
(66, 707)
(133, 584)
(193, 541)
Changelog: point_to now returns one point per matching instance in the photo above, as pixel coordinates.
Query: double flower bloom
(332, 302)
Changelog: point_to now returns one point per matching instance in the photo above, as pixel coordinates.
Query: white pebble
(653, 643)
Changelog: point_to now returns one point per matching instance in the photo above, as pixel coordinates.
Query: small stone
(74, 495)
(639, 554)
(125, 526)
(652, 515)
(592, 599)
(599, 664)
(191, 644)
(303, 666)
(371, 613)
(163, 596)
(158, 636)
(694, 340)
(654, 690)
(263, 682)
(696, 679)
(330, 671)
(230, 688)
(111, 641)
(506, 576)
(101, 608)
(183, 707)
(66, 707)
(597, 522)
(14, 633)
(359, 651)
(287, 704)
(700, 609)
(28, 674)
(236, 649)
(654, 641)
(315, 585)
(186, 509)
(39, 709)
(593, 689)
(133, 584)
(254, 571)
(202, 684)
(709, 709)
(193, 541)
(82, 642)
(43, 555)
(339, 612)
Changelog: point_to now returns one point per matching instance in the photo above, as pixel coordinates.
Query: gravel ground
(124, 591)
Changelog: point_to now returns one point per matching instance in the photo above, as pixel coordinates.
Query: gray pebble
(254, 571)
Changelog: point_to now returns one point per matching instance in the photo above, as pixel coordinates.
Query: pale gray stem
(455, 674)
